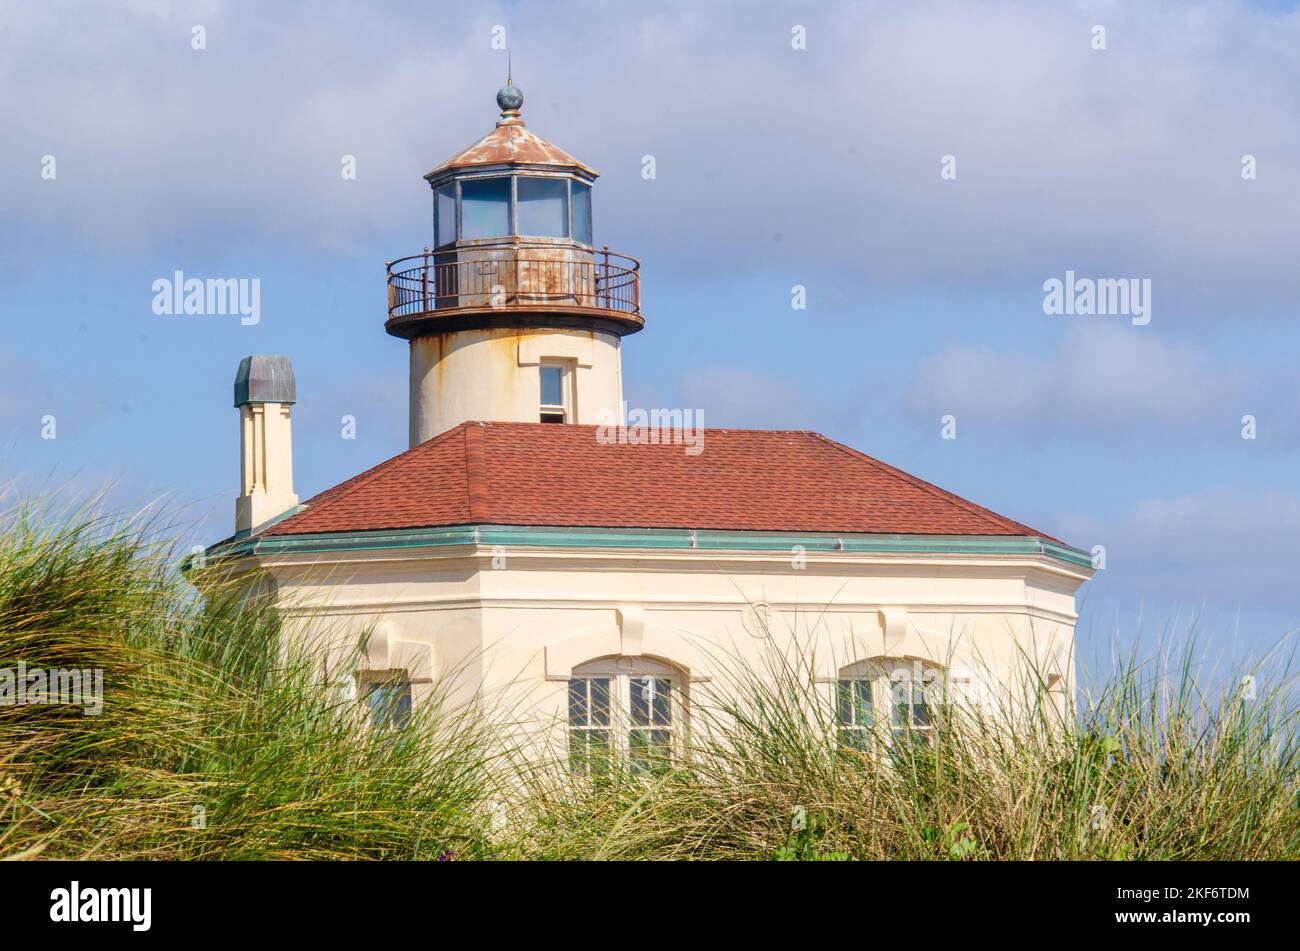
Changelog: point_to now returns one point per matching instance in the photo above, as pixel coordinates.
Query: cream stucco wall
(265, 464)
(511, 634)
(492, 375)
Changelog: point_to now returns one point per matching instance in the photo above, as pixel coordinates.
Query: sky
(920, 169)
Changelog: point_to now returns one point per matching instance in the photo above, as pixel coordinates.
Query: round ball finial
(509, 98)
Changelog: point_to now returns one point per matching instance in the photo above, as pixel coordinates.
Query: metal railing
(508, 274)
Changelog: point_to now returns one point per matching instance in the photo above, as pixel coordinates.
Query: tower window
(554, 393)
(581, 213)
(499, 206)
(444, 210)
(485, 207)
(543, 207)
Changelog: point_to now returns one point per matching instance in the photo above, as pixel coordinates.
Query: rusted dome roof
(510, 143)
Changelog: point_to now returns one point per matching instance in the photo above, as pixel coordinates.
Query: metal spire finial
(509, 98)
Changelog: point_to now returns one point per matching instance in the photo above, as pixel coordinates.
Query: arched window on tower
(629, 707)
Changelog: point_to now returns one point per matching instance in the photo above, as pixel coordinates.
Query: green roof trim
(646, 538)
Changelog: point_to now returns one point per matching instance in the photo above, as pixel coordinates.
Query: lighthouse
(597, 585)
(513, 313)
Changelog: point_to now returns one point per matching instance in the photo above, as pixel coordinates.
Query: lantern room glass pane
(581, 213)
(485, 208)
(543, 208)
(444, 210)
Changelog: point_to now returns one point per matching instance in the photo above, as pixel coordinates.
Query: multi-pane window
(853, 710)
(913, 698)
(624, 706)
(499, 206)
(650, 735)
(590, 725)
(905, 693)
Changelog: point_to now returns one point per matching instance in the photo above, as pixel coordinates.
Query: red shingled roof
(561, 475)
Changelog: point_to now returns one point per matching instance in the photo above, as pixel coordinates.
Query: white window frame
(917, 686)
(626, 674)
(565, 407)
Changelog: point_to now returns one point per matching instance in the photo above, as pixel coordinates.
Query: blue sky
(774, 167)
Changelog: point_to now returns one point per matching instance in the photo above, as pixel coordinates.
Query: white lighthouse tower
(513, 314)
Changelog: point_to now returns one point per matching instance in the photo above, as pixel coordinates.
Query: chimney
(264, 391)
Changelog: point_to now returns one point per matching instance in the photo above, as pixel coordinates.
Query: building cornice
(370, 606)
(665, 541)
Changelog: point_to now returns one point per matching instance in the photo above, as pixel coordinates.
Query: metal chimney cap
(265, 379)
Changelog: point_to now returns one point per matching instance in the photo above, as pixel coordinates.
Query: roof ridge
(476, 492)
(707, 429)
(974, 508)
(341, 491)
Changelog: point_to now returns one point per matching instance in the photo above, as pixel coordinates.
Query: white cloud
(1122, 162)
(1103, 379)
(1222, 546)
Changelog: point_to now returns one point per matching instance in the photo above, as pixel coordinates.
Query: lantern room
(487, 206)
(513, 312)
(512, 229)
(511, 184)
